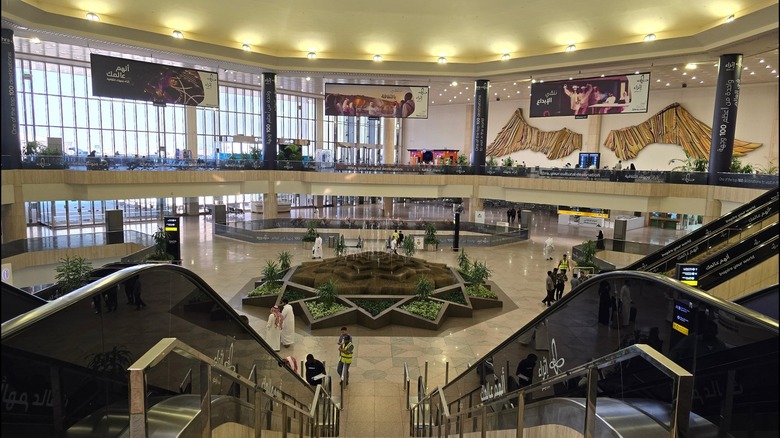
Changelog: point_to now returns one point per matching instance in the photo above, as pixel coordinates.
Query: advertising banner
(397, 101)
(607, 95)
(161, 84)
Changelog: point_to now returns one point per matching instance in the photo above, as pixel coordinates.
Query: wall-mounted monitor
(588, 159)
(591, 96)
(398, 101)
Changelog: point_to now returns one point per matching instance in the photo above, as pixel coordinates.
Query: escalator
(731, 351)
(711, 234)
(16, 302)
(65, 367)
(764, 301)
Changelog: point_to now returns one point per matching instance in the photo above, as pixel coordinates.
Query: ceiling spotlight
(442, 60)
(690, 66)
(533, 81)
(730, 18)
(177, 34)
(35, 40)
(245, 47)
(377, 58)
(667, 84)
(91, 16)
(311, 55)
(453, 84)
(505, 56)
(571, 48)
(602, 76)
(636, 72)
(674, 69)
(308, 78)
(649, 37)
(760, 61)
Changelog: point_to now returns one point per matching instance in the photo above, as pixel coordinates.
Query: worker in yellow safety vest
(346, 350)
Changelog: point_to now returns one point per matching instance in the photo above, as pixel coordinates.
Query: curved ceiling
(411, 36)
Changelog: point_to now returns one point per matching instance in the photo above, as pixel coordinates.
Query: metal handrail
(164, 348)
(681, 398)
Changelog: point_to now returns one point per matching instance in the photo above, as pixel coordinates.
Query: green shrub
(408, 246)
(479, 273)
(72, 273)
(427, 309)
(464, 264)
(327, 293)
(293, 295)
(271, 272)
(507, 162)
(375, 307)
(424, 287)
(311, 232)
(455, 296)
(430, 235)
(320, 310)
(161, 239)
(462, 160)
(491, 162)
(480, 291)
(341, 248)
(285, 259)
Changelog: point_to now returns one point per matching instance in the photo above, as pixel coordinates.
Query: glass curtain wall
(363, 130)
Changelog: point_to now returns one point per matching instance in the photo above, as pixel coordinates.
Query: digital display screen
(688, 273)
(682, 316)
(588, 159)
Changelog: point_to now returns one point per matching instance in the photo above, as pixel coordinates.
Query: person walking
(548, 248)
(560, 283)
(273, 329)
(346, 352)
(605, 295)
(575, 280)
(600, 240)
(563, 264)
(525, 370)
(139, 303)
(549, 283)
(316, 251)
(624, 299)
(288, 328)
(342, 336)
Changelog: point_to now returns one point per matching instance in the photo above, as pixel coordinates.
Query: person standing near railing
(346, 352)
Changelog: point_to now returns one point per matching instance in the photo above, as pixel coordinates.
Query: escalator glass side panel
(612, 311)
(101, 341)
(764, 301)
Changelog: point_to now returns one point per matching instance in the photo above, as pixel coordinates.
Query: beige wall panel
(681, 205)
(421, 191)
(299, 187)
(456, 191)
(7, 194)
(254, 187)
(48, 192)
(159, 191)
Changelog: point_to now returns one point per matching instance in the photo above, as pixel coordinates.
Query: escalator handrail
(683, 383)
(757, 294)
(26, 296)
(684, 290)
(167, 346)
(760, 238)
(16, 325)
(704, 282)
(700, 235)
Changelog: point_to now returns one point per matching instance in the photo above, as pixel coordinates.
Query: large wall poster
(396, 101)
(607, 95)
(137, 80)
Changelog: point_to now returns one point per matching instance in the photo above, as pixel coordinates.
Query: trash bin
(331, 241)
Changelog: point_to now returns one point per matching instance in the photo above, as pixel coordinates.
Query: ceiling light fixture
(442, 60)
(311, 55)
(690, 66)
(91, 16)
(453, 84)
(730, 18)
(571, 48)
(649, 37)
(245, 47)
(177, 34)
(505, 56)
(377, 58)
(760, 61)
(308, 78)
(35, 40)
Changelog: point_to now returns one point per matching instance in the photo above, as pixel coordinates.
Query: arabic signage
(398, 101)
(174, 242)
(624, 94)
(161, 84)
(583, 211)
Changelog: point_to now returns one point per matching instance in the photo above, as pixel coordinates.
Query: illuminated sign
(583, 211)
(681, 319)
(688, 273)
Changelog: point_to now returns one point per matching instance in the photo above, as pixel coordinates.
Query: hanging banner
(397, 101)
(608, 95)
(161, 84)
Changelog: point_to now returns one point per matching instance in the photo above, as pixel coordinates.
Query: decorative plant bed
(374, 287)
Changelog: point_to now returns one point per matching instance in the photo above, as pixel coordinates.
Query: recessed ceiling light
(690, 66)
(658, 80)
(505, 56)
(533, 81)
(541, 81)
(377, 58)
(91, 16)
(636, 72)
(308, 78)
(602, 76)
(454, 84)
(667, 84)
(311, 55)
(177, 34)
(245, 47)
(571, 48)
(442, 60)
(35, 40)
(649, 37)
(674, 69)
(571, 79)
(752, 72)
(693, 77)
(744, 68)
(760, 61)
(774, 71)
(730, 18)
(701, 82)
(685, 73)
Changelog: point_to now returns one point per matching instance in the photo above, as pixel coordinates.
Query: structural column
(479, 138)
(388, 142)
(10, 148)
(270, 206)
(387, 206)
(724, 119)
(13, 220)
(191, 126)
(269, 127)
(593, 140)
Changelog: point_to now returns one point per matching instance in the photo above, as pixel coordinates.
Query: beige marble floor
(374, 401)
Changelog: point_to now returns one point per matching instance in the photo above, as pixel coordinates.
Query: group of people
(583, 96)
(394, 241)
(511, 214)
(315, 369)
(280, 329)
(556, 280)
(615, 307)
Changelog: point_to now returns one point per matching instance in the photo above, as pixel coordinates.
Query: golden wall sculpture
(672, 125)
(517, 135)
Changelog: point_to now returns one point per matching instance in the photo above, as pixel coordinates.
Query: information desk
(665, 223)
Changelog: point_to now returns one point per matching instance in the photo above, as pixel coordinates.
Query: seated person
(314, 368)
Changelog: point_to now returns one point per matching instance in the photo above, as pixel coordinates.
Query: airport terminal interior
(659, 353)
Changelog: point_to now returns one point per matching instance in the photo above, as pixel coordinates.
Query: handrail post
(483, 432)
(284, 420)
(138, 404)
(681, 411)
(205, 399)
(258, 413)
(425, 382)
(590, 402)
(446, 373)
(461, 423)
(520, 413)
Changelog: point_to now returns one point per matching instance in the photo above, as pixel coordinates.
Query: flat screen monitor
(588, 159)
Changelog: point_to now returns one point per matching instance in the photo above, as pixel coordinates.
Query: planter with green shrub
(72, 273)
(160, 254)
(430, 240)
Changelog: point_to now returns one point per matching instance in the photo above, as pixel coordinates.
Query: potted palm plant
(160, 254)
(72, 273)
(430, 240)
